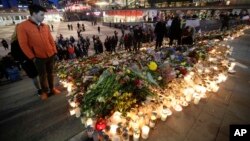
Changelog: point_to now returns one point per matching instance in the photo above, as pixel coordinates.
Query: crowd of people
(38, 63)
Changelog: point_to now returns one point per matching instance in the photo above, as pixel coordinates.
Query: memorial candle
(152, 120)
(196, 98)
(136, 135)
(145, 132)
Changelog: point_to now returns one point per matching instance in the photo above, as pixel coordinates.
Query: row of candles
(139, 121)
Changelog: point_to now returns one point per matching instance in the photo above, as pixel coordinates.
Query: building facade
(8, 4)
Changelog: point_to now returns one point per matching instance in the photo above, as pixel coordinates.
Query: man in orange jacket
(38, 45)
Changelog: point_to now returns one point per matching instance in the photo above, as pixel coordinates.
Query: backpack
(16, 52)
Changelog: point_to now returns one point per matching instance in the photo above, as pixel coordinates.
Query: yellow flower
(128, 71)
(116, 93)
(152, 66)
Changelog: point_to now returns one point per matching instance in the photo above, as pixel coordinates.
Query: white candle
(113, 129)
(135, 125)
(78, 112)
(72, 112)
(83, 119)
(214, 87)
(178, 108)
(188, 78)
(199, 70)
(89, 122)
(136, 135)
(188, 97)
(117, 117)
(203, 95)
(152, 120)
(164, 113)
(72, 103)
(221, 78)
(145, 132)
(69, 89)
(184, 103)
(65, 84)
(196, 98)
(188, 92)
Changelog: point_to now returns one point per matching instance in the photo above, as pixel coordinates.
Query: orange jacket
(35, 41)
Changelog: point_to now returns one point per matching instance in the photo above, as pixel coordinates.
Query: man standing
(99, 29)
(224, 21)
(160, 30)
(175, 31)
(38, 45)
(137, 38)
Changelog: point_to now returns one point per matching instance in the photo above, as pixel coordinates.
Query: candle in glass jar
(89, 122)
(65, 84)
(78, 112)
(152, 120)
(135, 125)
(72, 112)
(145, 132)
(188, 92)
(196, 98)
(188, 97)
(184, 103)
(214, 87)
(188, 78)
(178, 108)
(72, 103)
(164, 113)
(136, 135)
(113, 129)
(69, 89)
(117, 117)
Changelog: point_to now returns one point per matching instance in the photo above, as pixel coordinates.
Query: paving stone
(222, 137)
(231, 118)
(205, 128)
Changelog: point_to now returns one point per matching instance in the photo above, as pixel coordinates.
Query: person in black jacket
(27, 64)
(5, 44)
(137, 38)
(175, 31)
(224, 21)
(160, 29)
